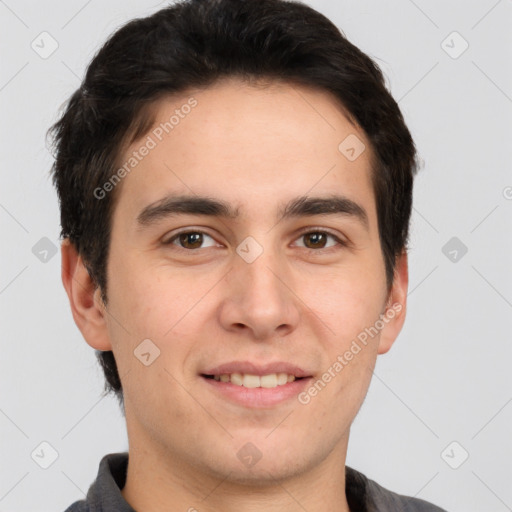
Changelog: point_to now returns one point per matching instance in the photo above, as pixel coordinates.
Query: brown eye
(319, 240)
(190, 240)
(316, 239)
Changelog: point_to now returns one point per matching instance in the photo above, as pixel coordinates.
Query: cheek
(152, 302)
(146, 307)
(148, 302)
(349, 304)
(352, 306)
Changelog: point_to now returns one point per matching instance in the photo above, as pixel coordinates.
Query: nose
(259, 300)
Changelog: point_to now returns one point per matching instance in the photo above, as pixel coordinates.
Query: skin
(298, 302)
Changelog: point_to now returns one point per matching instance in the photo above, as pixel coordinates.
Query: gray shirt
(363, 494)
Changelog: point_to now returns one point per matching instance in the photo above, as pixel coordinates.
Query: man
(235, 185)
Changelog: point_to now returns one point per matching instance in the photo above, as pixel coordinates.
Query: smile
(248, 380)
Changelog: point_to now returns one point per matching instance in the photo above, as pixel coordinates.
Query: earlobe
(84, 298)
(394, 315)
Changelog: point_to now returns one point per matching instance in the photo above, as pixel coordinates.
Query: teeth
(268, 381)
(255, 381)
(282, 378)
(237, 379)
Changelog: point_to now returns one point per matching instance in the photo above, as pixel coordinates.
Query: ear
(396, 305)
(87, 307)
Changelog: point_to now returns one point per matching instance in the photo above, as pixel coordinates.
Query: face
(272, 266)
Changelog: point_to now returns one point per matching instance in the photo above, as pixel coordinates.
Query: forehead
(247, 143)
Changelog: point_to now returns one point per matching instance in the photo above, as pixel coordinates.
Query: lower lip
(257, 397)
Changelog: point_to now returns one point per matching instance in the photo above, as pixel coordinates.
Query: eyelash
(303, 232)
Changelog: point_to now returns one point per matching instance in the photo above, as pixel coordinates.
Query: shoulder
(380, 499)
(78, 506)
(104, 493)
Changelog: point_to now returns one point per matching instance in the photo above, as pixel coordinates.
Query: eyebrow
(302, 206)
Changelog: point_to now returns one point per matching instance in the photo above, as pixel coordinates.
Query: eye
(190, 240)
(316, 239)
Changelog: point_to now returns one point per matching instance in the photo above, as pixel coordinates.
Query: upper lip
(257, 369)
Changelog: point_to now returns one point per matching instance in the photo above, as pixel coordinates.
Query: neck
(159, 481)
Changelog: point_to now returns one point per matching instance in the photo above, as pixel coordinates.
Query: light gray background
(446, 379)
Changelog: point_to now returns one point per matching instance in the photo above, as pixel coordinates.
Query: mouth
(257, 387)
(250, 381)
